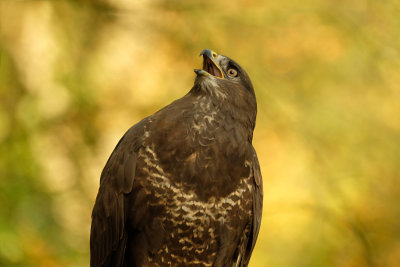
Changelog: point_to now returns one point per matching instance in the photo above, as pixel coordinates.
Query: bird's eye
(232, 73)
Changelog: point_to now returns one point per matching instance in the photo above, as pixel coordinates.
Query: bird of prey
(183, 186)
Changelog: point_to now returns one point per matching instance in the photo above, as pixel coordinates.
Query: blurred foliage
(74, 75)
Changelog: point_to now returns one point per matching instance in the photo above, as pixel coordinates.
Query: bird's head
(221, 75)
(227, 84)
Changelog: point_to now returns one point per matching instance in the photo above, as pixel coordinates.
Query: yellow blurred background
(75, 75)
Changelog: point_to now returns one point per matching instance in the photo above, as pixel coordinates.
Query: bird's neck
(232, 111)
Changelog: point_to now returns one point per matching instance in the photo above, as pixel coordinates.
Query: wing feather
(108, 235)
(257, 207)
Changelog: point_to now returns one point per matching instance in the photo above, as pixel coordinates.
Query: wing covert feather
(108, 234)
(257, 207)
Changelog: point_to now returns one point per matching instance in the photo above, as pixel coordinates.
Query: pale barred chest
(192, 227)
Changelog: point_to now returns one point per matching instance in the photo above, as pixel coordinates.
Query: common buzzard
(183, 186)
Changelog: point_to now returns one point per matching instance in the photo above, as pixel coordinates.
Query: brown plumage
(183, 187)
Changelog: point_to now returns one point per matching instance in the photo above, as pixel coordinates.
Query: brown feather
(183, 187)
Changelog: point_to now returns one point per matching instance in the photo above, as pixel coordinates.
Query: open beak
(210, 66)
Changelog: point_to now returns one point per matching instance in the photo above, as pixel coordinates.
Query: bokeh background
(75, 75)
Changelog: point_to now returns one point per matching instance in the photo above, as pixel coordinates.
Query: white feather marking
(188, 210)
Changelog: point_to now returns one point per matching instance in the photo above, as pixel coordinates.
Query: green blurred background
(75, 75)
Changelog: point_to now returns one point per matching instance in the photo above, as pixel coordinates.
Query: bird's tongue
(211, 68)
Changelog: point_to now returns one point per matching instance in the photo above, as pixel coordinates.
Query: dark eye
(232, 72)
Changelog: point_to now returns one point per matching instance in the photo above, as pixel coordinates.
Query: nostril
(214, 54)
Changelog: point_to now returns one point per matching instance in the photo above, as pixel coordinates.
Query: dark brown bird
(183, 187)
